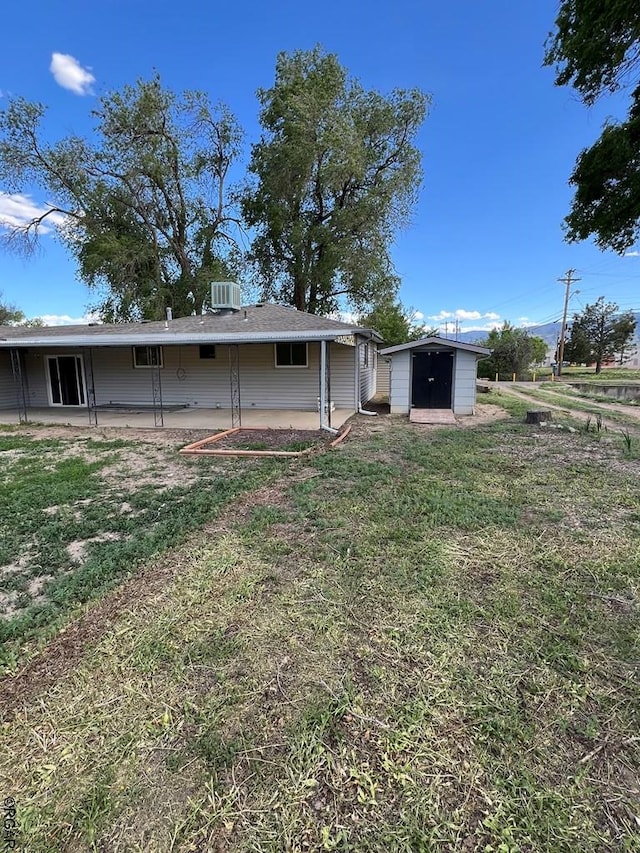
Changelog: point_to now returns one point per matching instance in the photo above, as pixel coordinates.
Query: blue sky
(485, 243)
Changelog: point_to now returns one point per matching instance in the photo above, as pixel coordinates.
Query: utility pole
(568, 280)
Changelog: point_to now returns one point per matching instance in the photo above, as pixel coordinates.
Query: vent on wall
(225, 296)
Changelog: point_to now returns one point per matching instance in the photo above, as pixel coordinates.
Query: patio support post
(323, 382)
(156, 390)
(234, 385)
(91, 390)
(325, 392)
(356, 354)
(18, 381)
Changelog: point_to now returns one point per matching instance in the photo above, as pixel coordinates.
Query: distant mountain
(549, 332)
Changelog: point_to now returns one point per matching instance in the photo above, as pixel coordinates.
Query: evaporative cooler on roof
(225, 296)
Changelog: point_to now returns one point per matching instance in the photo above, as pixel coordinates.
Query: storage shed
(434, 373)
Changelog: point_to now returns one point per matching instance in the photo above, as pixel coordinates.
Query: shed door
(432, 380)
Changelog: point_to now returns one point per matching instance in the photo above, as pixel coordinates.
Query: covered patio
(172, 418)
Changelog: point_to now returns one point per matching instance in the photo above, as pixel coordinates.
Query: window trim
(304, 366)
(365, 358)
(148, 347)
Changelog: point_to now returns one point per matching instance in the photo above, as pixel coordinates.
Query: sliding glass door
(66, 380)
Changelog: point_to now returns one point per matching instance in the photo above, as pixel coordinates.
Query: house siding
(188, 380)
(383, 377)
(34, 369)
(7, 387)
(342, 379)
(367, 351)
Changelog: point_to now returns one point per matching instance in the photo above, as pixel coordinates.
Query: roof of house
(435, 341)
(260, 323)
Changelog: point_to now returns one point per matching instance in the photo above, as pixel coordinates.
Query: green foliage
(595, 48)
(396, 324)
(607, 180)
(336, 174)
(598, 333)
(513, 351)
(10, 315)
(143, 207)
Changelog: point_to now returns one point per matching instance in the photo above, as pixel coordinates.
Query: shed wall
(464, 383)
(400, 378)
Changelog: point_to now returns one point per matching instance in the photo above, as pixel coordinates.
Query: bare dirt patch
(365, 425)
(162, 437)
(154, 467)
(77, 550)
(486, 413)
(271, 439)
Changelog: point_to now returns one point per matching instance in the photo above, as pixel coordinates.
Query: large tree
(514, 350)
(336, 173)
(143, 203)
(596, 48)
(598, 333)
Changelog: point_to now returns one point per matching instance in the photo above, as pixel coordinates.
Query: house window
(207, 350)
(365, 355)
(147, 357)
(291, 355)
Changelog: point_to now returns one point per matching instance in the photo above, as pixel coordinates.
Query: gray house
(434, 373)
(229, 364)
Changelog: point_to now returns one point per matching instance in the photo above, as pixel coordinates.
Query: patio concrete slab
(192, 418)
(432, 416)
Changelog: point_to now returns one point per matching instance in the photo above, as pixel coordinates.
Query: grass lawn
(424, 640)
(608, 374)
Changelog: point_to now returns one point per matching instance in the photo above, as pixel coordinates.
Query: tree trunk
(538, 417)
(300, 295)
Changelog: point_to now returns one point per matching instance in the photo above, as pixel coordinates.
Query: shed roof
(260, 323)
(440, 342)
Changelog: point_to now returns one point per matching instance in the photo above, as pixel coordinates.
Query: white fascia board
(168, 339)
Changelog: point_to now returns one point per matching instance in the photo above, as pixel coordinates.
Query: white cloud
(443, 315)
(482, 327)
(17, 210)
(69, 74)
(67, 320)
(633, 254)
(418, 316)
(464, 315)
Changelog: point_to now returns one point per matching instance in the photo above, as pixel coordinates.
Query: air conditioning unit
(225, 296)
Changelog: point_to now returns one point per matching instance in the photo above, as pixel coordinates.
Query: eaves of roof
(168, 338)
(434, 341)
